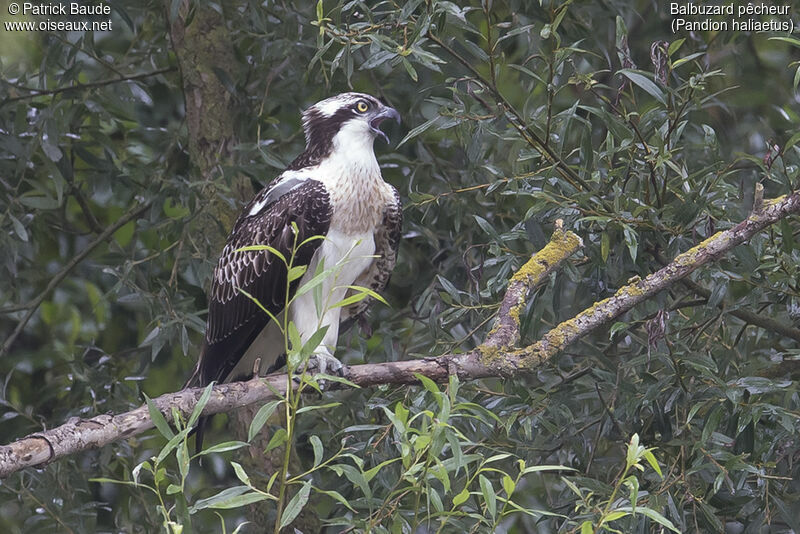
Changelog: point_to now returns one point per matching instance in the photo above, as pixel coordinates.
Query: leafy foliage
(515, 114)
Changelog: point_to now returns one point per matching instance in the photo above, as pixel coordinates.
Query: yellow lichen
(773, 201)
(562, 244)
(489, 353)
(515, 310)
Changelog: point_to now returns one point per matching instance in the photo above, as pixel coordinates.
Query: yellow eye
(362, 106)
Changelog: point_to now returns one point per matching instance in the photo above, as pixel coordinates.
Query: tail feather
(265, 348)
(197, 380)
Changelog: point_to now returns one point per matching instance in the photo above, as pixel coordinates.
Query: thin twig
(80, 86)
(518, 122)
(60, 275)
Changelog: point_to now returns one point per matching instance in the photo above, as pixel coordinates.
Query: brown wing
(234, 320)
(376, 277)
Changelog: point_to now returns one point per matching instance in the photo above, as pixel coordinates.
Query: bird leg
(323, 361)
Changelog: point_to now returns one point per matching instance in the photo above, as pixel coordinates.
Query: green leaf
(412, 72)
(19, 228)
(652, 514)
(539, 468)
(272, 250)
(223, 447)
(352, 299)
(201, 403)
(277, 439)
(617, 327)
(313, 342)
(158, 418)
(489, 496)
(632, 240)
(640, 78)
(314, 282)
(586, 527)
(613, 516)
(370, 473)
(39, 202)
(633, 483)
(793, 140)
(297, 271)
(461, 498)
(418, 130)
(313, 407)
(316, 444)
(651, 459)
(427, 383)
(295, 505)
(234, 497)
(183, 458)
(674, 46)
(791, 40)
(262, 416)
(497, 458)
(401, 413)
(258, 303)
(632, 454)
(369, 292)
(241, 474)
(508, 485)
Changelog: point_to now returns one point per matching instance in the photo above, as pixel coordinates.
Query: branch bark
(492, 358)
(745, 315)
(566, 333)
(81, 434)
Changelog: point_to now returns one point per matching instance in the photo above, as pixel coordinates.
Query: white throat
(353, 179)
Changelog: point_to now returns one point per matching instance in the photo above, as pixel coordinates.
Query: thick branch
(78, 434)
(632, 294)
(485, 361)
(745, 315)
(562, 245)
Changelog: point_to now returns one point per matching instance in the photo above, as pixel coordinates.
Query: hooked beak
(385, 112)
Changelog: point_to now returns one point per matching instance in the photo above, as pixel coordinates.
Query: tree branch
(632, 294)
(489, 359)
(79, 86)
(505, 333)
(745, 315)
(34, 304)
(81, 434)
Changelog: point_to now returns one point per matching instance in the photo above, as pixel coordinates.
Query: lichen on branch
(487, 360)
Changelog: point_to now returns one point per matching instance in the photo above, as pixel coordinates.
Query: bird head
(346, 121)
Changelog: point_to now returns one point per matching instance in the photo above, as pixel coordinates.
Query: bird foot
(326, 363)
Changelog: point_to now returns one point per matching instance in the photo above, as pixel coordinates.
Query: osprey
(333, 189)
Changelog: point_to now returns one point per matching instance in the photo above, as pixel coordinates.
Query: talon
(325, 363)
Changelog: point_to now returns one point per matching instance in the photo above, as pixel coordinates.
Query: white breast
(349, 255)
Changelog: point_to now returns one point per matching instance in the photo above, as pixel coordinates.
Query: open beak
(385, 112)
